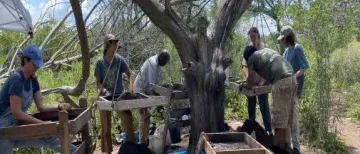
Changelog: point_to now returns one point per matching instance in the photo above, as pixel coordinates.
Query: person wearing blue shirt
(109, 70)
(17, 95)
(295, 55)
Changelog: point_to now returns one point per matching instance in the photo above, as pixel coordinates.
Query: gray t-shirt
(149, 73)
(101, 68)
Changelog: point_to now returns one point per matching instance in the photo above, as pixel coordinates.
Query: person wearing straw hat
(294, 54)
(108, 73)
(17, 95)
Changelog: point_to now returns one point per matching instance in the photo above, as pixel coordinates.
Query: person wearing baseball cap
(108, 73)
(16, 97)
(294, 54)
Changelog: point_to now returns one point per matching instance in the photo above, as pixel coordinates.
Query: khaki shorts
(284, 100)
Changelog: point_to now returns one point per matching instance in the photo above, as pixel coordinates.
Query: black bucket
(175, 135)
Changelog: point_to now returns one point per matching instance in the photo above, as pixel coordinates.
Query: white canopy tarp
(14, 16)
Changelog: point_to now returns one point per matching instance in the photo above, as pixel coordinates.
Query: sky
(57, 8)
(37, 7)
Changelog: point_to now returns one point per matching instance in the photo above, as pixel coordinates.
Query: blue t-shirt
(297, 59)
(101, 68)
(14, 85)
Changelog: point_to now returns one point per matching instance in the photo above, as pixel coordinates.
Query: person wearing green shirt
(271, 66)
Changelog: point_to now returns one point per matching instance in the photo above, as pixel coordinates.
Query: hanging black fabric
(132, 148)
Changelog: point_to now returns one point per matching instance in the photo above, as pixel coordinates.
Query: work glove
(64, 106)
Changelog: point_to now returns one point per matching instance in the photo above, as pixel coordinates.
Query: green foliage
(345, 63)
(327, 25)
(332, 145)
(235, 106)
(352, 98)
(171, 73)
(8, 39)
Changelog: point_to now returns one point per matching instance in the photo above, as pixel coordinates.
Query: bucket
(122, 137)
(156, 144)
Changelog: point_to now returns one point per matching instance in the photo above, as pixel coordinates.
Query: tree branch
(269, 12)
(227, 14)
(68, 100)
(201, 9)
(80, 87)
(13, 58)
(73, 39)
(51, 33)
(170, 25)
(182, 1)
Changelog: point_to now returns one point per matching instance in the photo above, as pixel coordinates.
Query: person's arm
(40, 105)
(18, 114)
(245, 71)
(304, 65)
(250, 80)
(100, 88)
(251, 73)
(300, 72)
(245, 68)
(38, 98)
(129, 74)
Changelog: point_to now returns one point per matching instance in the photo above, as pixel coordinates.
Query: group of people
(260, 65)
(22, 87)
(285, 73)
(108, 73)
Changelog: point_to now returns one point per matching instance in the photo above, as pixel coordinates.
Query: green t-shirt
(270, 65)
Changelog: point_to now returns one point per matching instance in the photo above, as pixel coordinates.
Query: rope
(262, 28)
(275, 43)
(116, 80)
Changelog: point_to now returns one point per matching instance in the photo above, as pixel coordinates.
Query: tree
(201, 54)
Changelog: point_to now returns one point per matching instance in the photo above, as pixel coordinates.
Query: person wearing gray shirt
(149, 73)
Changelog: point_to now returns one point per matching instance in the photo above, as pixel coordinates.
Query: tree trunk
(201, 56)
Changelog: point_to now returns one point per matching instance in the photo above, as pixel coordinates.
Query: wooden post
(85, 130)
(106, 145)
(167, 108)
(64, 132)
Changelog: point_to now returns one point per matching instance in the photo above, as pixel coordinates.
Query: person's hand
(262, 82)
(242, 86)
(104, 92)
(131, 90)
(64, 106)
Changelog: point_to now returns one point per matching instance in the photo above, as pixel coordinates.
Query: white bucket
(156, 144)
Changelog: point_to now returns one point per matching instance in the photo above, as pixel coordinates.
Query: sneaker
(296, 151)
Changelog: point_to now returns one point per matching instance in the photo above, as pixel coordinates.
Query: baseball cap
(285, 31)
(110, 37)
(33, 52)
